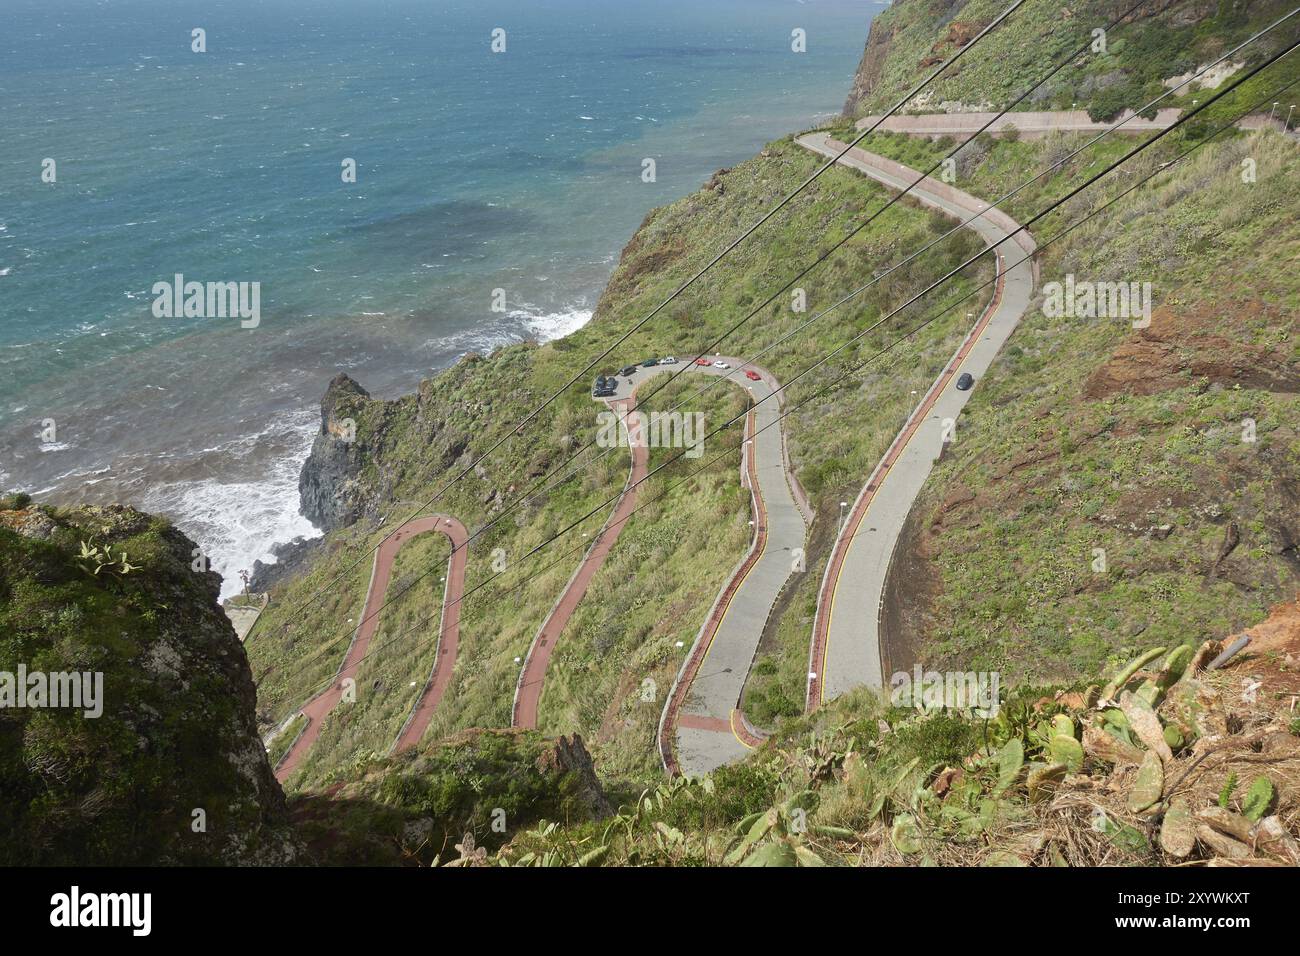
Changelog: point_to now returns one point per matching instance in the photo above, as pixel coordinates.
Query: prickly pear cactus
(1131, 668)
(1258, 799)
(1011, 758)
(1149, 784)
(1178, 830)
(1043, 780)
(1067, 751)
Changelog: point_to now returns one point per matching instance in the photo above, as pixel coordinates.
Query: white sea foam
(549, 326)
(239, 522)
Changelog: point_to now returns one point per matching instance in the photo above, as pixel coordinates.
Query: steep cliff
(1128, 65)
(159, 762)
(330, 492)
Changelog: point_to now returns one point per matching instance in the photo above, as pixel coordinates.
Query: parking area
(626, 380)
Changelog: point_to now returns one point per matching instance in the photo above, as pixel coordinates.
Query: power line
(1116, 164)
(516, 429)
(533, 492)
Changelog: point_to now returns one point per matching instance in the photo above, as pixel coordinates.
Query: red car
(753, 376)
(703, 361)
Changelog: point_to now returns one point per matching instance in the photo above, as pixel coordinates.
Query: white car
(668, 360)
(722, 365)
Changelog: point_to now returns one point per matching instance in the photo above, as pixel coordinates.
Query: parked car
(628, 371)
(722, 365)
(668, 360)
(703, 361)
(606, 392)
(964, 381)
(649, 363)
(753, 376)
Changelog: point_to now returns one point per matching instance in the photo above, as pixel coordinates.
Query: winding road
(319, 706)
(1029, 124)
(845, 649)
(528, 689)
(701, 727)
(1036, 124)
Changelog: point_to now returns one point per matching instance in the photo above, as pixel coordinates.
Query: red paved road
(448, 642)
(528, 691)
(318, 707)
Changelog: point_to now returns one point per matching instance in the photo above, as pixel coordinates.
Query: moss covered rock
(171, 770)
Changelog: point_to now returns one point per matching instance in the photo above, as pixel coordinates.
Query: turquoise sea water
(475, 171)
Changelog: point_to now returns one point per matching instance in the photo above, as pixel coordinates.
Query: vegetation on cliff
(1163, 39)
(1161, 762)
(172, 771)
(693, 524)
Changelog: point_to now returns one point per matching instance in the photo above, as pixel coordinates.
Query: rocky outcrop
(330, 495)
(290, 559)
(569, 755)
(870, 67)
(159, 762)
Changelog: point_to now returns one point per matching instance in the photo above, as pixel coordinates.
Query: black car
(628, 371)
(649, 363)
(605, 391)
(964, 381)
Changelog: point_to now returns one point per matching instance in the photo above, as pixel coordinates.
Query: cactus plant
(1258, 799)
(776, 853)
(905, 834)
(1114, 721)
(1011, 758)
(1121, 834)
(1175, 665)
(1149, 784)
(1174, 737)
(1043, 779)
(1124, 676)
(1178, 830)
(1062, 726)
(1068, 751)
(1145, 724)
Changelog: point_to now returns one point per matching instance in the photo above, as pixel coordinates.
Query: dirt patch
(1273, 657)
(1183, 346)
(911, 590)
(610, 724)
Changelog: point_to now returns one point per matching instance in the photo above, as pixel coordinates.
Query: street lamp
(1272, 112)
(843, 505)
(1287, 128)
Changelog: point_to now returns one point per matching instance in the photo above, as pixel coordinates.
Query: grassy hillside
(1173, 449)
(678, 550)
(1163, 764)
(1165, 38)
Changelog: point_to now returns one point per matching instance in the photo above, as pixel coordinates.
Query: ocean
(475, 170)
